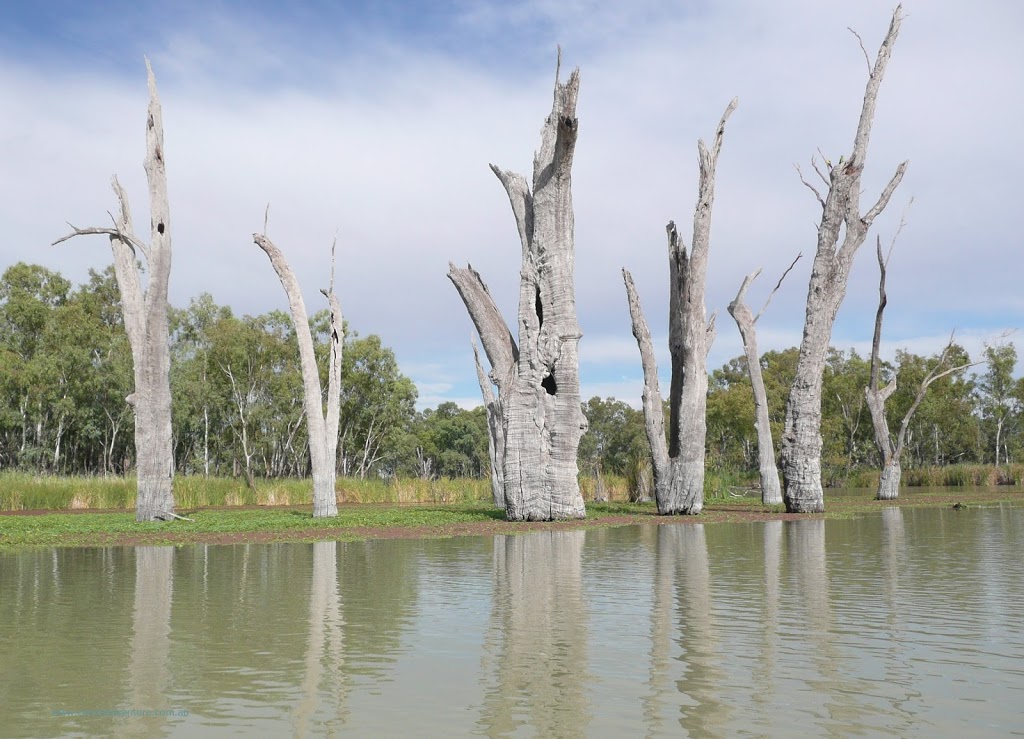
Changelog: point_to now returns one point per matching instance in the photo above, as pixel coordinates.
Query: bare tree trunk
(323, 428)
(771, 490)
(538, 384)
(801, 440)
(891, 450)
(679, 469)
(495, 433)
(145, 320)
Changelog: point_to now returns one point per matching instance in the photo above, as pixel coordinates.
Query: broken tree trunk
(145, 321)
(538, 382)
(679, 465)
(322, 428)
(801, 439)
(771, 490)
(890, 449)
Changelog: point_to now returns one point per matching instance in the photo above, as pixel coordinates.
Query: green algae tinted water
(906, 622)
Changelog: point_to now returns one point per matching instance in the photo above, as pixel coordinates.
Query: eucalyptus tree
(771, 490)
(146, 321)
(321, 423)
(841, 218)
(679, 465)
(538, 379)
(999, 396)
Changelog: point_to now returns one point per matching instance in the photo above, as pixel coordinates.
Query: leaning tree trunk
(145, 321)
(322, 430)
(801, 440)
(771, 490)
(538, 382)
(679, 465)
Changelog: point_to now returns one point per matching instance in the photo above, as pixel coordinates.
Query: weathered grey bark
(538, 382)
(801, 439)
(322, 427)
(890, 449)
(771, 490)
(679, 468)
(495, 433)
(145, 321)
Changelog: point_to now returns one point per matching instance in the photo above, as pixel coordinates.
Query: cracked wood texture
(322, 427)
(538, 382)
(146, 323)
(679, 468)
(841, 216)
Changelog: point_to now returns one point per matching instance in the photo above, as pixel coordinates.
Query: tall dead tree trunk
(495, 433)
(801, 439)
(538, 381)
(145, 321)
(322, 427)
(679, 464)
(771, 490)
(890, 449)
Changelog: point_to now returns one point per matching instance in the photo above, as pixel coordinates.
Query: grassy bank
(355, 521)
(954, 475)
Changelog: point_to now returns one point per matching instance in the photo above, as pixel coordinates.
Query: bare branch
(521, 199)
(777, 286)
(809, 186)
(883, 199)
(266, 217)
(867, 59)
(828, 163)
(877, 72)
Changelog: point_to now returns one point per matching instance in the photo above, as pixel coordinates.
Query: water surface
(906, 622)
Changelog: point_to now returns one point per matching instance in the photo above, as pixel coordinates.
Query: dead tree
(801, 439)
(322, 427)
(679, 465)
(891, 449)
(495, 434)
(538, 380)
(144, 308)
(771, 490)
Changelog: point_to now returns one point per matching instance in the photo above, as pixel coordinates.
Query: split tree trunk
(801, 440)
(322, 428)
(145, 321)
(679, 464)
(538, 382)
(771, 490)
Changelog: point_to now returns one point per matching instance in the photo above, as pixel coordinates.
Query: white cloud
(388, 145)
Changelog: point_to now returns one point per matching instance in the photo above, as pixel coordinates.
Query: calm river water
(906, 623)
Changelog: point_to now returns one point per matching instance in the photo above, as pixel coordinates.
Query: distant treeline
(65, 370)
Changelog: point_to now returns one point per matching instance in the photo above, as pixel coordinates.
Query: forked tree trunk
(145, 321)
(322, 428)
(801, 440)
(679, 465)
(890, 450)
(538, 382)
(771, 490)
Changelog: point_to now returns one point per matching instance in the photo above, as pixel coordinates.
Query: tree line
(237, 406)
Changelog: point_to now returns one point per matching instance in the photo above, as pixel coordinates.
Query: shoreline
(33, 529)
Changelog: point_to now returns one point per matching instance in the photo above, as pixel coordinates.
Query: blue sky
(377, 121)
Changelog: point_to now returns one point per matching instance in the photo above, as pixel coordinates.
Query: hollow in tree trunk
(801, 439)
(538, 381)
(145, 321)
(679, 465)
